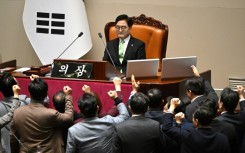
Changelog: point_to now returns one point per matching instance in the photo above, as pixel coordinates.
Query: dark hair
(59, 101)
(196, 85)
(230, 99)
(155, 97)
(6, 84)
(38, 89)
(139, 103)
(126, 18)
(204, 115)
(87, 104)
(211, 104)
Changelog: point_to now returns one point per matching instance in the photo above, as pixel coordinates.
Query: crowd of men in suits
(206, 124)
(146, 124)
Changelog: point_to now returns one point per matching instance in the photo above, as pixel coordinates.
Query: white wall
(13, 40)
(213, 30)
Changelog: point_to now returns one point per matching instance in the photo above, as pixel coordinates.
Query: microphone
(100, 35)
(117, 73)
(79, 35)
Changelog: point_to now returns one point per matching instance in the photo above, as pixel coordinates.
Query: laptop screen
(142, 68)
(177, 67)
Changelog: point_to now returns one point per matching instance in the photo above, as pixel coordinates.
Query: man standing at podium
(125, 47)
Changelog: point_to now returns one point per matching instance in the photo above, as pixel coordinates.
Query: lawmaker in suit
(201, 139)
(94, 134)
(125, 47)
(35, 125)
(155, 112)
(198, 89)
(4, 120)
(222, 127)
(138, 133)
(242, 113)
(228, 102)
(7, 81)
(59, 101)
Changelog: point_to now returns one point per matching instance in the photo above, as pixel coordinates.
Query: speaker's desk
(169, 87)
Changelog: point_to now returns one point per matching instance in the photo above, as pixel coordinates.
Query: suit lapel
(128, 49)
(116, 51)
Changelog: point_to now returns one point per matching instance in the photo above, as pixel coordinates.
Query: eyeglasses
(121, 27)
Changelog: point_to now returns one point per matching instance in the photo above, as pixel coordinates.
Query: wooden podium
(38, 70)
(8, 66)
(100, 84)
(96, 70)
(11, 63)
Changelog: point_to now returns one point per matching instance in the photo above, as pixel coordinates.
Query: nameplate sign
(77, 70)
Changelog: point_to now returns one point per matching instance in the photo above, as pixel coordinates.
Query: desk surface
(169, 87)
(155, 80)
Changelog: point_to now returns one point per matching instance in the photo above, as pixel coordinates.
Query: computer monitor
(178, 67)
(142, 68)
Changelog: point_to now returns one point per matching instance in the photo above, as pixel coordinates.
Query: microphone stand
(100, 35)
(79, 35)
(115, 69)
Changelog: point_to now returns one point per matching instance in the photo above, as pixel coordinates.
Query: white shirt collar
(126, 40)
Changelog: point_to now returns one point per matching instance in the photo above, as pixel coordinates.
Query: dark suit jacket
(237, 120)
(192, 107)
(158, 115)
(228, 130)
(138, 134)
(155, 114)
(204, 140)
(135, 50)
(242, 114)
(200, 140)
(209, 93)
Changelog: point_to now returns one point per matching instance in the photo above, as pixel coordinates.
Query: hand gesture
(165, 108)
(240, 90)
(16, 90)
(173, 104)
(135, 85)
(67, 90)
(117, 83)
(33, 77)
(86, 88)
(179, 117)
(112, 94)
(195, 71)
